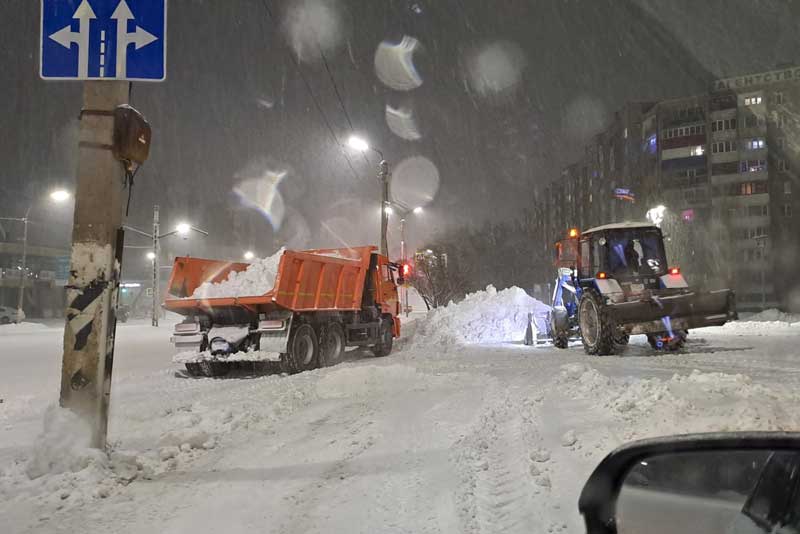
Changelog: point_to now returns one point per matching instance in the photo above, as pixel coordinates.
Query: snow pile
(257, 279)
(63, 445)
(21, 328)
(774, 315)
(488, 316)
(698, 402)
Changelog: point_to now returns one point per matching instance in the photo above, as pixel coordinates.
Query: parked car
(9, 315)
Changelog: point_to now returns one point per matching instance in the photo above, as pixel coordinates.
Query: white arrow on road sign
(139, 38)
(66, 37)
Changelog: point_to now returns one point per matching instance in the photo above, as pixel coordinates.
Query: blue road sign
(104, 40)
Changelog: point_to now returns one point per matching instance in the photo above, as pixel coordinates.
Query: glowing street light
(357, 143)
(151, 255)
(249, 255)
(417, 211)
(388, 210)
(60, 195)
(183, 228)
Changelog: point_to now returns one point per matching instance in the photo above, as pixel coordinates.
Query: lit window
(756, 144)
(752, 100)
(698, 150)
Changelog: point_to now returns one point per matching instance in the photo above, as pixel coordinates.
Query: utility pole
(97, 243)
(383, 176)
(23, 277)
(156, 265)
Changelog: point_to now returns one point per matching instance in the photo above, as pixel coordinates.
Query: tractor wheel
(331, 344)
(208, 369)
(303, 352)
(558, 322)
(597, 327)
(384, 346)
(622, 339)
(662, 341)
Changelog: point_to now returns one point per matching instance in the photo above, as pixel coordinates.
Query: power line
(314, 97)
(339, 96)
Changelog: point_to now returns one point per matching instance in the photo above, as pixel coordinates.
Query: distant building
(724, 162)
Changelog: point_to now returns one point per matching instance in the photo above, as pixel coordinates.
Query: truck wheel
(331, 344)
(622, 339)
(384, 346)
(662, 341)
(208, 369)
(597, 328)
(303, 352)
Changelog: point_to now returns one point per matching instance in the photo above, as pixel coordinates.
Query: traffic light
(406, 270)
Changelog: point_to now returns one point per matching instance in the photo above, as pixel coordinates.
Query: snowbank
(697, 402)
(255, 280)
(488, 316)
(774, 315)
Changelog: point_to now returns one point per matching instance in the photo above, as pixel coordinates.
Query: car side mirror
(726, 483)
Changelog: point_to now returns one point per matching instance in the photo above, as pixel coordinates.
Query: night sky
(511, 90)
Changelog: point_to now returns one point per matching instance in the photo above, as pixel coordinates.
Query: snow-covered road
(435, 438)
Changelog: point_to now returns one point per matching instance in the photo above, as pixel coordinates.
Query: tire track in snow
(497, 493)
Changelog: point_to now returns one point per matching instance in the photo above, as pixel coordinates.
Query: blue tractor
(614, 282)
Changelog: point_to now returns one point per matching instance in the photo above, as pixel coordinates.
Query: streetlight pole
(156, 237)
(383, 176)
(23, 278)
(58, 196)
(156, 267)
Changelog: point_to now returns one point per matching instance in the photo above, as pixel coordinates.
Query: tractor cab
(630, 253)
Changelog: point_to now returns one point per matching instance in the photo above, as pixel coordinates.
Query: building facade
(722, 163)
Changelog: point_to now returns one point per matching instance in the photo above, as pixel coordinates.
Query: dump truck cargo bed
(310, 280)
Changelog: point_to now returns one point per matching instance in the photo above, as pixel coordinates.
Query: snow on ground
(488, 316)
(255, 280)
(487, 438)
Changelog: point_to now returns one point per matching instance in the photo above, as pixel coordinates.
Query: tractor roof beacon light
(675, 270)
(573, 232)
(602, 275)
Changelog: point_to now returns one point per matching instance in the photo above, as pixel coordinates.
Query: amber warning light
(674, 270)
(573, 232)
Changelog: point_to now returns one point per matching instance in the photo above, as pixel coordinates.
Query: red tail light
(602, 275)
(406, 270)
(674, 270)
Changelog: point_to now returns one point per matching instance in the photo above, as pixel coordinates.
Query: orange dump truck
(321, 301)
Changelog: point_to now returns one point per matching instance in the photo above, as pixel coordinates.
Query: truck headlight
(220, 346)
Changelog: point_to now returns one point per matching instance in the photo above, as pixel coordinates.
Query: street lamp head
(388, 210)
(183, 228)
(60, 195)
(418, 210)
(249, 255)
(151, 255)
(357, 143)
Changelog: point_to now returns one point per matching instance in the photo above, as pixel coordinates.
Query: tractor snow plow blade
(682, 311)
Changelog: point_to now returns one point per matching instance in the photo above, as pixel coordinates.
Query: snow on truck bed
(256, 280)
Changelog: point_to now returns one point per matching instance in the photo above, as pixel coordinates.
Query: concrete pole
(383, 176)
(97, 243)
(156, 265)
(23, 278)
